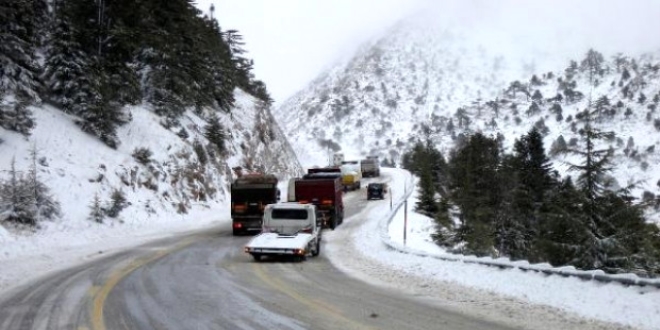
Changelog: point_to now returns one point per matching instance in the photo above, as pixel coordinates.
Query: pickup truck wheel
(257, 257)
(317, 250)
(333, 224)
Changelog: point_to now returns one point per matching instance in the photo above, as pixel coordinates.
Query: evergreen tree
(19, 71)
(118, 202)
(510, 226)
(16, 116)
(532, 182)
(44, 205)
(215, 133)
(593, 63)
(96, 212)
(563, 231)
(69, 77)
(533, 109)
(26, 200)
(475, 188)
(602, 106)
(15, 206)
(427, 203)
(591, 173)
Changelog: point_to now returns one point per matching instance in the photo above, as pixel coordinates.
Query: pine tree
(427, 203)
(533, 109)
(215, 133)
(475, 189)
(16, 116)
(14, 202)
(26, 200)
(591, 173)
(96, 212)
(118, 202)
(563, 232)
(44, 205)
(593, 63)
(19, 71)
(69, 77)
(510, 226)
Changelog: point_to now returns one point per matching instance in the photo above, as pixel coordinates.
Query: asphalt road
(205, 281)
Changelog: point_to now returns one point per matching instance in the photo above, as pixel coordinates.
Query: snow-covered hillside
(421, 76)
(178, 179)
(371, 103)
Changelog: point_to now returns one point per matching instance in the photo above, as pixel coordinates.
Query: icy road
(203, 280)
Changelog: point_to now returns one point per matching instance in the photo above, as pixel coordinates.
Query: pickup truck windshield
(289, 214)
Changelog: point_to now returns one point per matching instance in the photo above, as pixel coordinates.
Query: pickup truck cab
(289, 229)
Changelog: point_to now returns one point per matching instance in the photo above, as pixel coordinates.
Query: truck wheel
(236, 232)
(333, 223)
(257, 257)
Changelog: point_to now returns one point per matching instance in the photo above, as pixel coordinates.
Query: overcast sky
(292, 41)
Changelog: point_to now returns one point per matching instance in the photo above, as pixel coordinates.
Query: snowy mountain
(163, 173)
(371, 103)
(421, 76)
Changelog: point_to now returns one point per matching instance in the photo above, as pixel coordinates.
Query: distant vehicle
(291, 191)
(289, 229)
(323, 189)
(351, 175)
(249, 196)
(376, 191)
(337, 159)
(370, 167)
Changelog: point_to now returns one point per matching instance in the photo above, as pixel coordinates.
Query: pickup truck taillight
(327, 202)
(307, 230)
(303, 201)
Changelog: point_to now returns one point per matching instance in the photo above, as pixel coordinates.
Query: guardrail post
(390, 191)
(405, 220)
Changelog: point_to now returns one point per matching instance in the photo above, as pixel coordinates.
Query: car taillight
(238, 225)
(327, 202)
(307, 230)
(303, 201)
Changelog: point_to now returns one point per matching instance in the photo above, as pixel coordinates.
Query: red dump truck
(323, 189)
(249, 196)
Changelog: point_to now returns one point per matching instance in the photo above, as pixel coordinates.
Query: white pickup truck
(289, 229)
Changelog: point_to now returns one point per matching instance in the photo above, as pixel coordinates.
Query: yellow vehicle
(351, 180)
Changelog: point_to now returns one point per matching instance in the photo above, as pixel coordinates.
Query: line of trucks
(292, 228)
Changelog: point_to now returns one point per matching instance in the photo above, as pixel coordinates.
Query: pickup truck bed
(275, 244)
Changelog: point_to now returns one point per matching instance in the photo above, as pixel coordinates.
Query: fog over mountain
(444, 77)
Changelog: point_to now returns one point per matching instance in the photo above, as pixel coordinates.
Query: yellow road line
(314, 304)
(102, 293)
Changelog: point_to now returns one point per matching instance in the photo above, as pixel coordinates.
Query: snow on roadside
(30, 257)
(529, 300)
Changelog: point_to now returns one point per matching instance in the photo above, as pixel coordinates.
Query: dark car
(376, 191)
